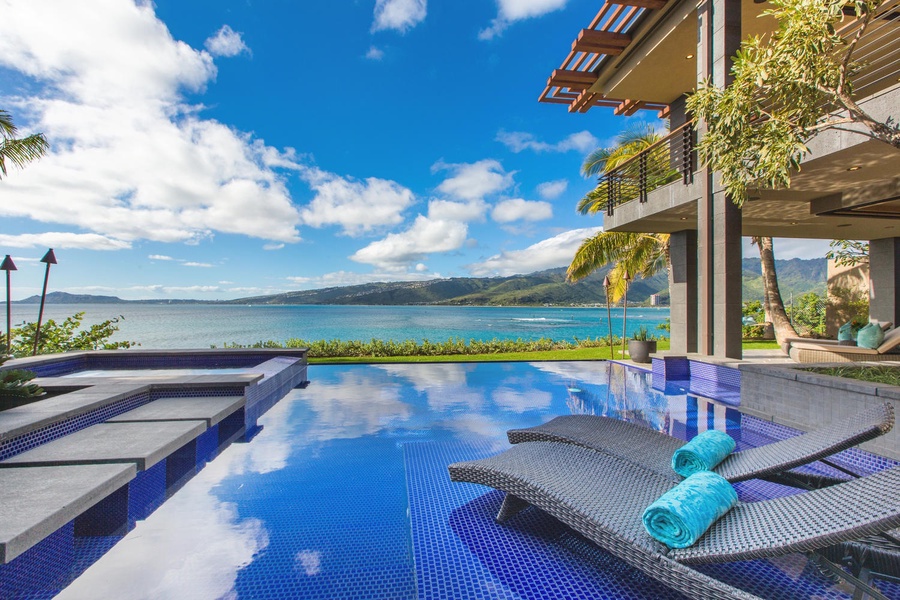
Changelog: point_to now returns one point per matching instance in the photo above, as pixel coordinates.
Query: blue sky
(226, 148)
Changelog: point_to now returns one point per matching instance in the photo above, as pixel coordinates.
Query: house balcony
(848, 187)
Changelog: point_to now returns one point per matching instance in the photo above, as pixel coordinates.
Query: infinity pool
(344, 494)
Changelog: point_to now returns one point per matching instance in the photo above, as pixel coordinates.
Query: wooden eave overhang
(609, 34)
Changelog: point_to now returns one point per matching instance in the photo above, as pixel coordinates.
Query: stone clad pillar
(683, 291)
(884, 279)
(718, 219)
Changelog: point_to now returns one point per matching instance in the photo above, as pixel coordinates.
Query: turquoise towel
(702, 453)
(683, 514)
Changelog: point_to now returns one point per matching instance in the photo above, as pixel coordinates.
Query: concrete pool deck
(118, 446)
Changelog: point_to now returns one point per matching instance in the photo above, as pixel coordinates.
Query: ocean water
(202, 326)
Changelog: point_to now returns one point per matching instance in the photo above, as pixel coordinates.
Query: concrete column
(683, 291)
(718, 219)
(884, 279)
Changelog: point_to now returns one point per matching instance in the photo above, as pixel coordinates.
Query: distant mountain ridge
(795, 276)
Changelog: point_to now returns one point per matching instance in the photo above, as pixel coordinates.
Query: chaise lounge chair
(653, 450)
(814, 352)
(602, 497)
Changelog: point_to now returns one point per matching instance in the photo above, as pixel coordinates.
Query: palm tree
(18, 151)
(644, 254)
(773, 305)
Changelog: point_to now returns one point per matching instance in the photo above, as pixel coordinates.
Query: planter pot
(640, 350)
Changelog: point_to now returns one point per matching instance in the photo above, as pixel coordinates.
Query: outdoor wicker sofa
(815, 352)
(653, 449)
(602, 497)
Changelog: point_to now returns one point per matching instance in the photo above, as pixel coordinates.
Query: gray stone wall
(806, 401)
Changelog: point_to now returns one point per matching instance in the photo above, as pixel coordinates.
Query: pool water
(344, 493)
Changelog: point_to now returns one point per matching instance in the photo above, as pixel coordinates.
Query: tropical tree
(773, 305)
(643, 254)
(758, 127)
(848, 253)
(18, 151)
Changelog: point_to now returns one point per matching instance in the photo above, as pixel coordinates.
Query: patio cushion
(870, 336)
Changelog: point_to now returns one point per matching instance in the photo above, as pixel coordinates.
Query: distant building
(654, 300)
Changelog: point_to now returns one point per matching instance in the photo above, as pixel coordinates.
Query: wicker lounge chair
(886, 326)
(653, 450)
(602, 497)
(814, 352)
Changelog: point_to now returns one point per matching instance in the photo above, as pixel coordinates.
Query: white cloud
(130, 160)
(197, 264)
(375, 53)
(518, 141)
(509, 11)
(400, 15)
(448, 210)
(518, 209)
(426, 235)
(474, 181)
(357, 206)
(342, 278)
(60, 239)
(546, 254)
(160, 257)
(226, 42)
(788, 248)
(553, 189)
(270, 247)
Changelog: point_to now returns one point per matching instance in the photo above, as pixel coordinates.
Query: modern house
(648, 55)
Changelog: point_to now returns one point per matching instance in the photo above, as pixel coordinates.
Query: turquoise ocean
(201, 326)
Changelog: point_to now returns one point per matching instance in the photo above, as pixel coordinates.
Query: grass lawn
(576, 354)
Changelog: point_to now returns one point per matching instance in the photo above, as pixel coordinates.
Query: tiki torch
(49, 259)
(8, 265)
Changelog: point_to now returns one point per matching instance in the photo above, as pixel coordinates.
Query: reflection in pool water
(316, 506)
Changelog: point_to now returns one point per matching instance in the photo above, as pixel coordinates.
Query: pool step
(212, 409)
(143, 444)
(37, 501)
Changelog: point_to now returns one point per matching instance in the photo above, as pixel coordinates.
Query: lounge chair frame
(653, 450)
(602, 496)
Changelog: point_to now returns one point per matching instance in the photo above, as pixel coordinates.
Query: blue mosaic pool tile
(207, 446)
(49, 433)
(43, 569)
(329, 538)
(109, 517)
(88, 550)
(181, 465)
(461, 552)
(146, 492)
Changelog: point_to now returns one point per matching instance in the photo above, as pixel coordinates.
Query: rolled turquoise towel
(683, 514)
(702, 453)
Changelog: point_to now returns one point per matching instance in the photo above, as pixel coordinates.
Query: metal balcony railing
(667, 160)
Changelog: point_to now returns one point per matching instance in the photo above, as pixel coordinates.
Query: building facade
(649, 55)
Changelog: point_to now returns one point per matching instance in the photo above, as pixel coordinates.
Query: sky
(218, 149)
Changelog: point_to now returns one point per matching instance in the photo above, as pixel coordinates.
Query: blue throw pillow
(870, 336)
(847, 332)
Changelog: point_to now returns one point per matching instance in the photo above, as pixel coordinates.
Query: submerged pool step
(143, 444)
(212, 409)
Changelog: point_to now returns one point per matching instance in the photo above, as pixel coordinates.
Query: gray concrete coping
(211, 409)
(143, 444)
(36, 501)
